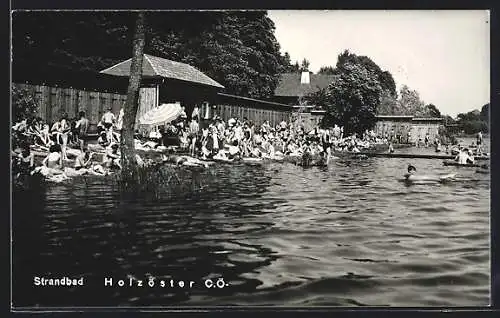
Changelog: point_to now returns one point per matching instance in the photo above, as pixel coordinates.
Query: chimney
(304, 78)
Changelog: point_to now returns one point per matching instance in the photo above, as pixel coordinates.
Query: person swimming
(413, 177)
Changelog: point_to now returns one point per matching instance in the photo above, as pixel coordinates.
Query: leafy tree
(328, 70)
(304, 66)
(432, 110)
(474, 121)
(410, 102)
(449, 120)
(485, 112)
(287, 66)
(352, 98)
(295, 68)
(24, 106)
(236, 48)
(385, 78)
(388, 105)
(470, 116)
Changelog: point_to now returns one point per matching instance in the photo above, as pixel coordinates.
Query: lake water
(349, 235)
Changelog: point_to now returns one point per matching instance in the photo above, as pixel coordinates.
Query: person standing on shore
(194, 129)
(108, 120)
(479, 141)
(82, 126)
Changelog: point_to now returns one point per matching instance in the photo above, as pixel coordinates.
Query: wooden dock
(414, 156)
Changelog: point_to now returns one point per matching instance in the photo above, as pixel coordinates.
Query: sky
(443, 55)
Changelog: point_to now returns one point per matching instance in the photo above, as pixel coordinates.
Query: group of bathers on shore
(216, 139)
(59, 141)
(207, 140)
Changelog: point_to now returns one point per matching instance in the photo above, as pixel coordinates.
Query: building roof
(393, 117)
(153, 66)
(289, 84)
(255, 102)
(427, 119)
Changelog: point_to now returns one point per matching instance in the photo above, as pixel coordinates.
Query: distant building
(396, 127)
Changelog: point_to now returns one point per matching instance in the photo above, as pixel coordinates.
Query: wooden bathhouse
(164, 81)
(397, 127)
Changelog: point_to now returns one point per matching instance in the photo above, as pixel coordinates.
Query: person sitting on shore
(234, 150)
(84, 160)
(42, 139)
(53, 163)
(112, 157)
(55, 132)
(54, 159)
(26, 160)
(103, 140)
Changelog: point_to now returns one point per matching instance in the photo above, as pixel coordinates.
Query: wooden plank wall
(257, 115)
(53, 101)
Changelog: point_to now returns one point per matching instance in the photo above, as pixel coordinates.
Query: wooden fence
(54, 101)
(257, 115)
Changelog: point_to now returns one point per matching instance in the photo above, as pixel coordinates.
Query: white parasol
(162, 114)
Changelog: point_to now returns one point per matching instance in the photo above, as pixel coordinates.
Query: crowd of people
(200, 140)
(241, 138)
(64, 138)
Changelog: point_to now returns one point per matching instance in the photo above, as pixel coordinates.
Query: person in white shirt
(108, 120)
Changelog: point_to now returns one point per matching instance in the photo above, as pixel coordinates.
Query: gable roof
(153, 66)
(290, 86)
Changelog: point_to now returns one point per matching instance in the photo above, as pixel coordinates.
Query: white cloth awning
(162, 114)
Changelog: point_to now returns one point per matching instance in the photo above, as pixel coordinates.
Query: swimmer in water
(411, 171)
(411, 176)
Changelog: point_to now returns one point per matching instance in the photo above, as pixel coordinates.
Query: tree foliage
(236, 48)
(304, 66)
(408, 103)
(474, 121)
(24, 106)
(352, 98)
(389, 105)
(384, 77)
(432, 110)
(327, 70)
(485, 112)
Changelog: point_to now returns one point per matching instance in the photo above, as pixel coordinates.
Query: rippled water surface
(352, 234)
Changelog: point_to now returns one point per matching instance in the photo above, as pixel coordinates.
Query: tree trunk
(132, 103)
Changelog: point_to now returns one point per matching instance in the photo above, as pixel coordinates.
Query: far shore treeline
(236, 48)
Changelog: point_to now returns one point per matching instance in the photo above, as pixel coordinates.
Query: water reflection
(350, 234)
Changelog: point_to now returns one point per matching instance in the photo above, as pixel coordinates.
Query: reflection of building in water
(407, 128)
